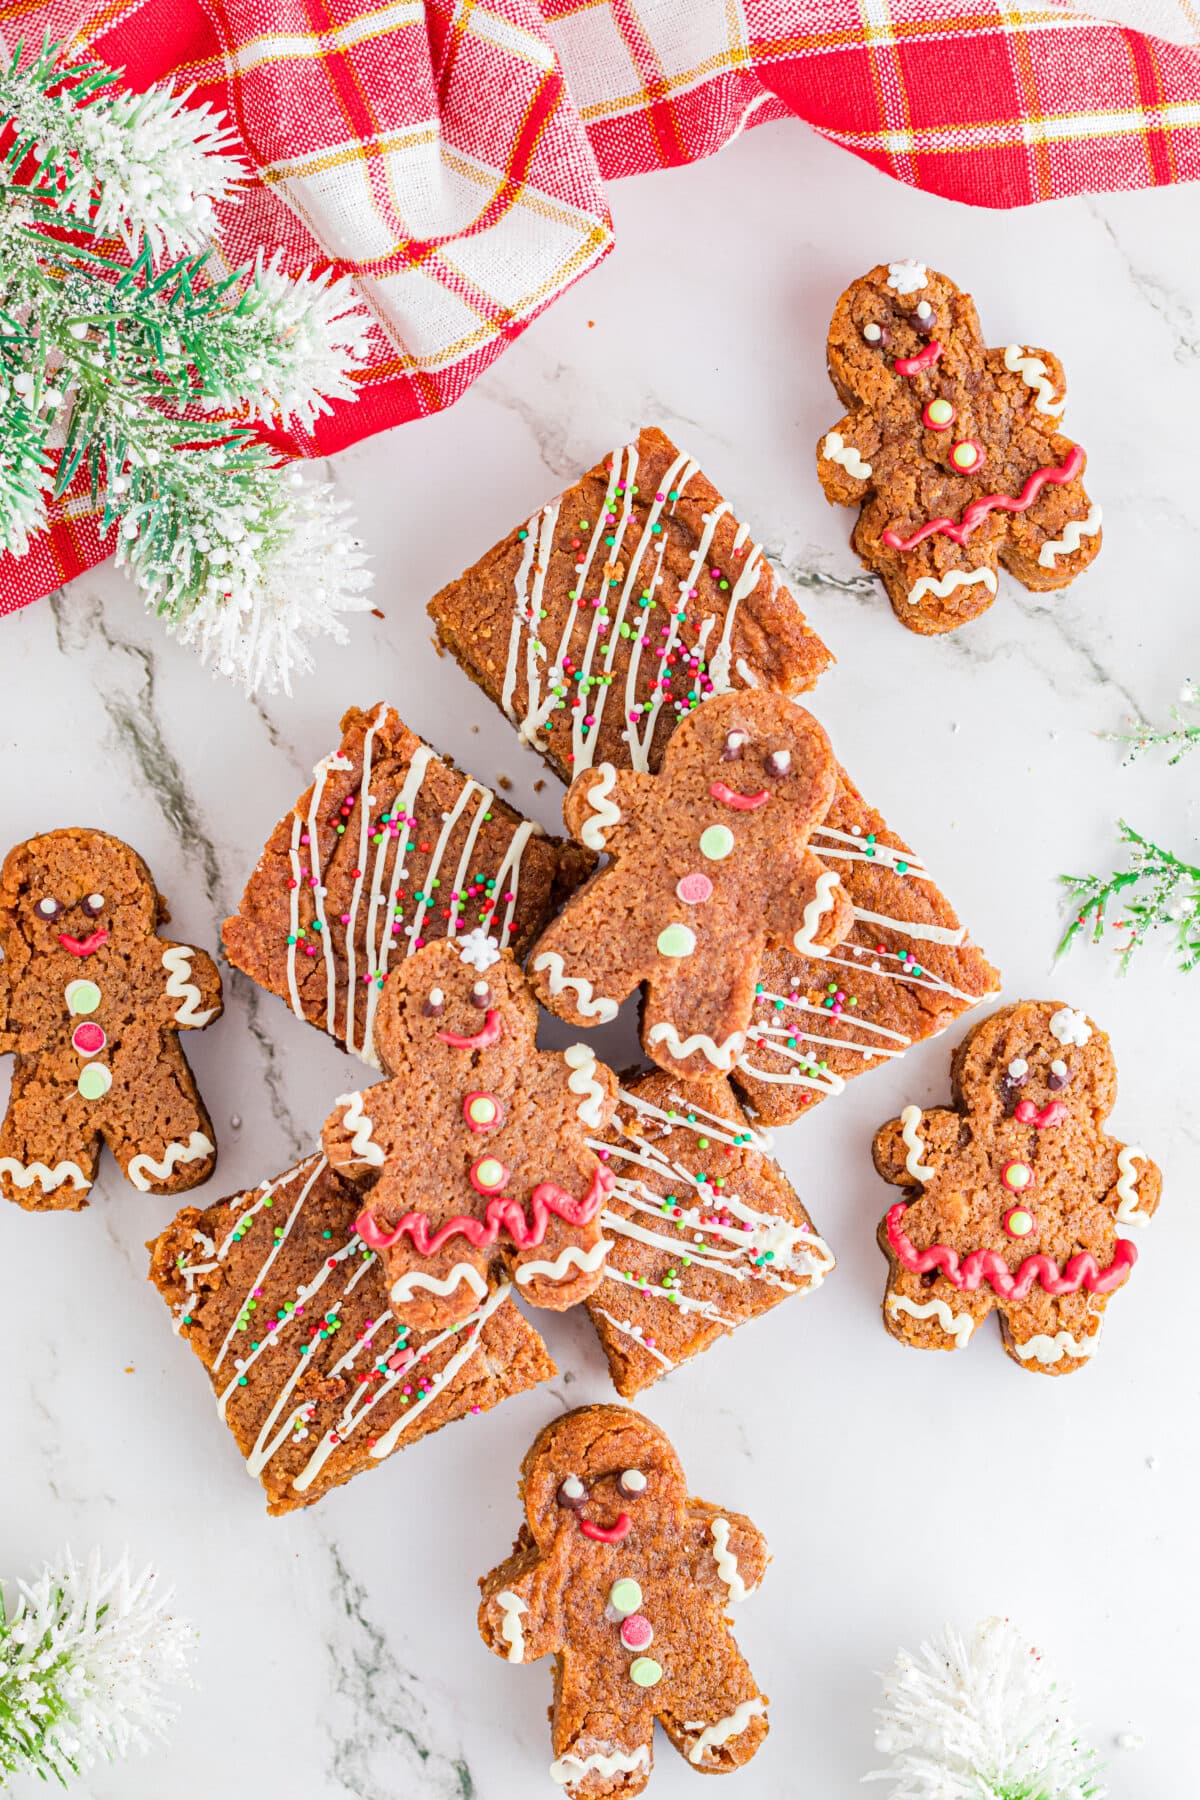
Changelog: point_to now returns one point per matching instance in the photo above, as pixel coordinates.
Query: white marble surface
(339, 1653)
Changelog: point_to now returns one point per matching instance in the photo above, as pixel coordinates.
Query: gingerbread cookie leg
(931, 1316)
(936, 585)
(1053, 1336)
(48, 1150)
(161, 1134)
(714, 1714)
(435, 1292)
(602, 1756)
(689, 1014)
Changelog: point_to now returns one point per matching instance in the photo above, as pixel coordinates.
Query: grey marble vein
(1176, 312)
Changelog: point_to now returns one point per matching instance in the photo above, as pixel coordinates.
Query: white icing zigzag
(569, 1768)
(726, 1561)
(1128, 1157)
(178, 960)
(1045, 1349)
(959, 1326)
(25, 1174)
(721, 1056)
(1033, 373)
(408, 1284)
(604, 813)
(836, 449)
(599, 1008)
(724, 1729)
(583, 1081)
(144, 1166)
(955, 579)
(587, 1261)
(910, 1119)
(817, 907)
(1073, 535)
(512, 1607)
(357, 1122)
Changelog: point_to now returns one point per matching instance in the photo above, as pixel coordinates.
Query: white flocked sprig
(86, 1654)
(977, 1715)
(149, 368)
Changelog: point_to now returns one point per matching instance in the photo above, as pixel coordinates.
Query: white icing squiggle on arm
(604, 813)
(357, 1122)
(726, 1561)
(599, 1008)
(821, 903)
(582, 1062)
(910, 1120)
(1034, 373)
(177, 960)
(1128, 1158)
(512, 1606)
(1074, 532)
(142, 1167)
(836, 449)
(959, 1326)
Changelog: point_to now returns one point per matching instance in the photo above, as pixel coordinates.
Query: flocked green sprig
(1182, 735)
(86, 1653)
(125, 352)
(1158, 891)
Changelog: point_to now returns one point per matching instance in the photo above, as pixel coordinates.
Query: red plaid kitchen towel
(451, 155)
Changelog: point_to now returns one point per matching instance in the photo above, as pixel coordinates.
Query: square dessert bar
(904, 974)
(704, 1229)
(390, 847)
(287, 1309)
(604, 618)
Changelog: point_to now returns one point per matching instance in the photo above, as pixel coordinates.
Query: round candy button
(483, 1112)
(94, 1081)
(716, 842)
(1019, 1221)
(645, 1672)
(625, 1596)
(939, 414)
(488, 1175)
(1016, 1176)
(676, 940)
(637, 1633)
(966, 454)
(82, 996)
(88, 1039)
(694, 890)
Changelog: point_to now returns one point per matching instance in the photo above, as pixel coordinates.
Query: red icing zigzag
(979, 509)
(986, 1265)
(502, 1214)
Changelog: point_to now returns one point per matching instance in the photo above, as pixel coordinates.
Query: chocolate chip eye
(48, 908)
(631, 1483)
(877, 336)
(481, 995)
(924, 317)
(93, 906)
(735, 743)
(1059, 1075)
(572, 1493)
(778, 763)
(1018, 1069)
(435, 1004)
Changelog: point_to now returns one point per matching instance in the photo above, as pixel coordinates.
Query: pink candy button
(637, 1633)
(88, 1039)
(695, 889)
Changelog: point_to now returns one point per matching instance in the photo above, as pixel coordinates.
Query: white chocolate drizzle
(586, 1261)
(512, 1606)
(1128, 1212)
(143, 1168)
(23, 1175)
(604, 812)
(959, 1326)
(721, 1056)
(597, 1007)
(1046, 1350)
(571, 1768)
(726, 1561)
(720, 1733)
(836, 449)
(358, 1123)
(955, 578)
(828, 883)
(1034, 374)
(582, 1063)
(910, 1123)
(177, 960)
(407, 1285)
(1074, 532)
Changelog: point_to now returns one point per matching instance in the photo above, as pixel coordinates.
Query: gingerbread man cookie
(952, 451)
(625, 1581)
(91, 1004)
(475, 1147)
(710, 867)
(1021, 1196)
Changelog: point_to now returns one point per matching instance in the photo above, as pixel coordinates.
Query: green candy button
(82, 996)
(676, 940)
(94, 1081)
(716, 842)
(645, 1672)
(625, 1597)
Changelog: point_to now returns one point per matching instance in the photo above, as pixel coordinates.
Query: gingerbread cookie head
(1016, 1199)
(952, 451)
(601, 1479)
(451, 1001)
(70, 896)
(732, 757)
(893, 323)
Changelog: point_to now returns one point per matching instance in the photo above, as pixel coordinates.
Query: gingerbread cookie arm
(908, 1151)
(934, 583)
(603, 805)
(1138, 1188)
(520, 1615)
(844, 458)
(1032, 377)
(357, 1135)
(810, 913)
(192, 987)
(729, 1552)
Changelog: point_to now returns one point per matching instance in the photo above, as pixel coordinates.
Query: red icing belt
(1055, 474)
(986, 1265)
(502, 1214)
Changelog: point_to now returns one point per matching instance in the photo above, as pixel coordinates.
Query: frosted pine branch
(978, 1716)
(85, 1656)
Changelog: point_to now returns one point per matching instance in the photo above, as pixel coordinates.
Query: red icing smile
(924, 359)
(493, 1031)
(720, 790)
(986, 1265)
(83, 946)
(606, 1534)
(1051, 1114)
